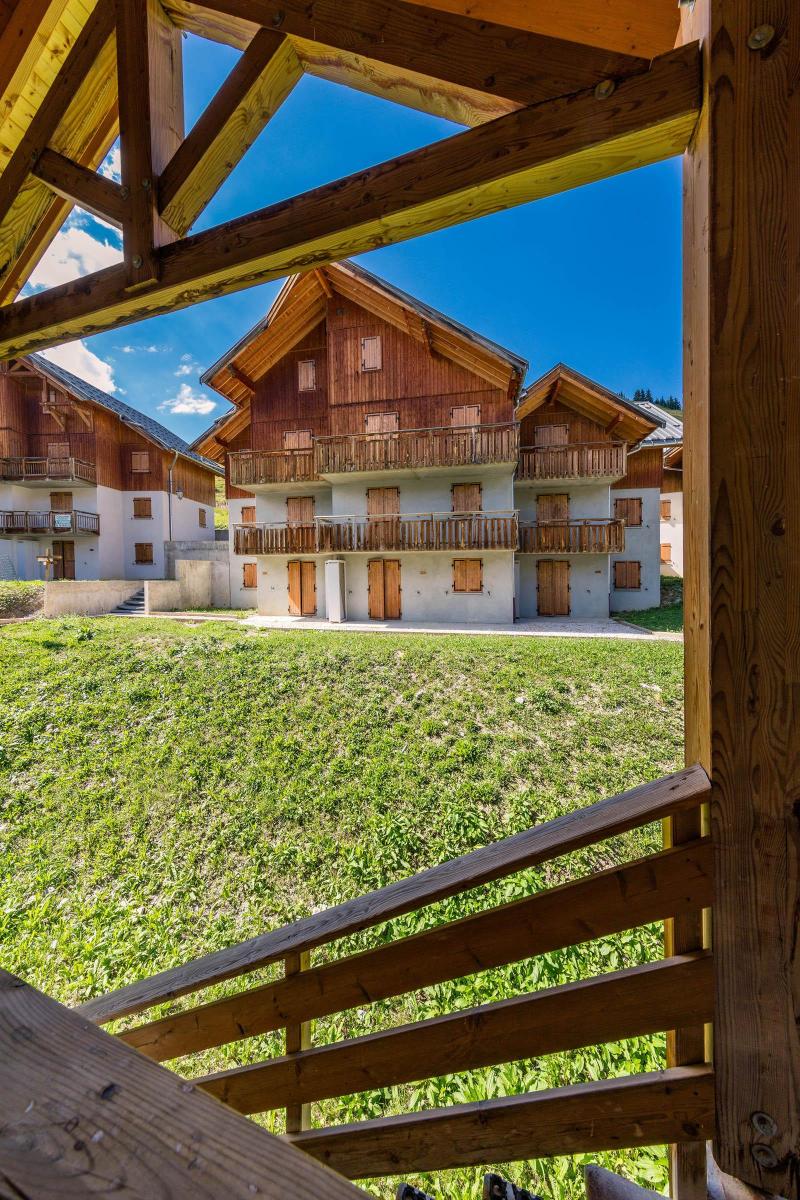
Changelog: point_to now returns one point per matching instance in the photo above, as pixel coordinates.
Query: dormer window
(371, 353)
(307, 375)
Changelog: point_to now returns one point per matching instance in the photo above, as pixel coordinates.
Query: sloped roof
(144, 425)
(670, 431)
(632, 423)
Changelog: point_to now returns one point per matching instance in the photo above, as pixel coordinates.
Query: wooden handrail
(67, 467)
(575, 460)
(484, 530)
(572, 831)
(48, 521)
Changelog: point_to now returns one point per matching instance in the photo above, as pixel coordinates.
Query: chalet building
(89, 487)
(383, 462)
(672, 511)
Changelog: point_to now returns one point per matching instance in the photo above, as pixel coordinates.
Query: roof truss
(540, 124)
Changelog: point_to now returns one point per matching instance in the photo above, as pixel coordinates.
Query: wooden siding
(672, 481)
(580, 429)
(279, 405)
(645, 469)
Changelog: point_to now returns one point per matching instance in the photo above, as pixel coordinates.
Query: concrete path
(539, 627)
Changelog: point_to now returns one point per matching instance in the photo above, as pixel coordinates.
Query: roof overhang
(590, 399)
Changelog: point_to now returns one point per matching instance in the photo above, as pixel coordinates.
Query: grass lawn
(20, 599)
(168, 790)
(668, 617)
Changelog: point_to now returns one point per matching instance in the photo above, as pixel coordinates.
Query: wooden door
(383, 589)
(551, 435)
(300, 519)
(465, 414)
(552, 588)
(63, 560)
(553, 512)
(383, 508)
(302, 588)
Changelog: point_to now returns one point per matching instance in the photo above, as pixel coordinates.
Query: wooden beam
(530, 153)
(91, 191)
(27, 30)
(602, 904)
(640, 1110)
(83, 1114)
(250, 96)
(241, 377)
(623, 1004)
(324, 282)
(91, 40)
(742, 514)
(525, 67)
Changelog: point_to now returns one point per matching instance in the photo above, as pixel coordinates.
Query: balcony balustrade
(587, 536)
(587, 460)
(360, 534)
(45, 470)
(417, 449)
(57, 523)
(254, 468)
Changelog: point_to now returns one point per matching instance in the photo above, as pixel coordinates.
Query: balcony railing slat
(631, 1003)
(49, 522)
(405, 532)
(580, 536)
(24, 469)
(586, 460)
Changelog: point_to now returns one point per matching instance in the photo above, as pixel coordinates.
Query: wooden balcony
(263, 468)
(360, 534)
(41, 472)
(57, 524)
(588, 536)
(417, 449)
(600, 461)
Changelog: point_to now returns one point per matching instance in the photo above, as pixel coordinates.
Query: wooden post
(742, 520)
(298, 1037)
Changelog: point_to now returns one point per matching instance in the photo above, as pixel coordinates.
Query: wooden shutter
(552, 585)
(248, 514)
(201, 514)
(371, 353)
(250, 575)
(297, 439)
(391, 589)
(140, 460)
(629, 510)
(308, 588)
(143, 552)
(467, 575)
(61, 502)
(142, 506)
(467, 497)
(295, 589)
(63, 560)
(666, 510)
(388, 422)
(383, 502)
(307, 375)
(627, 576)
(552, 508)
(375, 597)
(551, 435)
(666, 552)
(300, 510)
(58, 450)
(465, 414)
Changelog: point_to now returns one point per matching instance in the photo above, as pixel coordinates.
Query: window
(142, 507)
(297, 439)
(467, 497)
(383, 502)
(551, 435)
(629, 510)
(248, 514)
(371, 354)
(201, 516)
(143, 552)
(61, 502)
(249, 575)
(467, 575)
(666, 510)
(307, 375)
(382, 422)
(58, 450)
(666, 552)
(627, 576)
(140, 460)
(465, 414)
(299, 510)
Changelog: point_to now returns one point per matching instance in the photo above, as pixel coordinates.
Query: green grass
(668, 617)
(20, 599)
(167, 790)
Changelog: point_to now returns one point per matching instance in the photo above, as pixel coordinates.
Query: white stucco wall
(672, 534)
(430, 494)
(589, 500)
(642, 544)
(588, 583)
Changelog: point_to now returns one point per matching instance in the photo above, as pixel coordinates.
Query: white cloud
(72, 253)
(83, 362)
(189, 401)
(128, 349)
(184, 369)
(111, 166)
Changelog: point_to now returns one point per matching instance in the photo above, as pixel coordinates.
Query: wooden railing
(49, 522)
(668, 1106)
(446, 446)
(252, 467)
(357, 534)
(586, 460)
(48, 468)
(588, 536)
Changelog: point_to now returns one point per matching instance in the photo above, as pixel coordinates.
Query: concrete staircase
(132, 607)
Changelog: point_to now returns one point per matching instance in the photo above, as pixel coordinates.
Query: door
(63, 560)
(551, 435)
(383, 589)
(552, 588)
(382, 440)
(300, 519)
(383, 509)
(552, 511)
(302, 588)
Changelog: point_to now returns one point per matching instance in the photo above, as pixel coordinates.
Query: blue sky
(591, 278)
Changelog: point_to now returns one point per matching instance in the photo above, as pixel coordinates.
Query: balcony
(360, 534)
(38, 524)
(271, 468)
(417, 450)
(42, 472)
(600, 462)
(588, 536)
